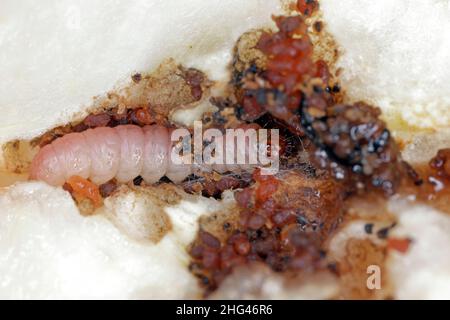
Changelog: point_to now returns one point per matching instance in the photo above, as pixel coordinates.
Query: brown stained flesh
(150, 99)
(283, 221)
(332, 154)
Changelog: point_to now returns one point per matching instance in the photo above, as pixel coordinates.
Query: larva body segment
(177, 172)
(104, 149)
(131, 152)
(73, 155)
(156, 153)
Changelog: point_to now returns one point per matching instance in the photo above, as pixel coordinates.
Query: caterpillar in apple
(123, 152)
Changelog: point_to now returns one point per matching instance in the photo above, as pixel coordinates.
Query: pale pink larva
(101, 154)
(123, 153)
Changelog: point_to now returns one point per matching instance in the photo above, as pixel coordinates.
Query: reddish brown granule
(441, 163)
(195, 79)
(81, 188)
(253, 110)
(267, 186)
(322, 71)
(142, 117)
(307, 7)
(209, 240)
(213, 185)
(398, 244)
(289, 53)
(97, 120)
(107, 188)
(318, 26)
(49, 137)
(139, 115)
(137, 77)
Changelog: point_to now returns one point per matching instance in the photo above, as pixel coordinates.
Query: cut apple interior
(357, 90)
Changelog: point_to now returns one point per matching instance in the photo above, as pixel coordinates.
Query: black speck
(205, 280)
(301, 220)
(322, 254)
(368, 228)
(336, 88)
(136, 77)
(333, 267)
(239, 111)
(137, 181)
(317, 89)
(318, 26)
(383, 233)
(165, 180)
